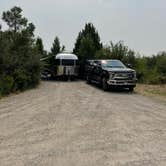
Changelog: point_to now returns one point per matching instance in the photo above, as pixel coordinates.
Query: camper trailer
(66, 65)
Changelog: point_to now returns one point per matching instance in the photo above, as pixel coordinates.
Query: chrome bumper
(122, 82)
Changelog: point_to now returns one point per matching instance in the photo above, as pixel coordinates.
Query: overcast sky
(141, 24)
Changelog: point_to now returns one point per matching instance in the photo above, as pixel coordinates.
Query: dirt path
(75, 124)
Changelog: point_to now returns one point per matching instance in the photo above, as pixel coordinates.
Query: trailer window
(57, 62)
(77, 62)
(67, 62)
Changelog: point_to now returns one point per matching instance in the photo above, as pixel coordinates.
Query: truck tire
(131, 89)
(104, 84)
(88, 80)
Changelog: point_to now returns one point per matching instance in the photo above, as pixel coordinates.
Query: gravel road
(75, 124)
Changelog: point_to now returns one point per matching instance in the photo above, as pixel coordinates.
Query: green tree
(86, 49)
(63, 48)
(40, 47)
(56, 48)
(103, 53)
(130, 58)
(161, 63)
(14, 19)
(19, 58)
(88, 34)
(118, 50)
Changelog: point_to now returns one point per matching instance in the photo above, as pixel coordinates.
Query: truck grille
(123, 76)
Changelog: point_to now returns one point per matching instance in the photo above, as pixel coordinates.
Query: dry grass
(157, 91)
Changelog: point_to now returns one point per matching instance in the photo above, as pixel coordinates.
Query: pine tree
(56, 48)
(40, 47)
(90, 34)
(19, 60)
(14, 19)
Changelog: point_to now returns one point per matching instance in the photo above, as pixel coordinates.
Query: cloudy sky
(141, 24)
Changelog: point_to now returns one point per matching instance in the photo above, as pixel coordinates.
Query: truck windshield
(112, 64)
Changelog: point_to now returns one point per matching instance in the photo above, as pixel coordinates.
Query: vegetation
(117, 51)
(56, 48)
(40, 48)
(150, 69)
(87, 43)
(19, 55)
(48, 64)
(157, 91)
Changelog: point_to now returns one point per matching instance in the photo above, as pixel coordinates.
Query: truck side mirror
(129, 65)
(99, 65)
(95, 64)
(91, 63)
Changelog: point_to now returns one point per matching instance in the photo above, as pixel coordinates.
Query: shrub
(6, 85)
(19, 55)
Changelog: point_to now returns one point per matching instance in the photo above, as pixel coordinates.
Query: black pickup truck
(110, 73)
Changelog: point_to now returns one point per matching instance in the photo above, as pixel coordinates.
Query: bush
(19, 55)
(21, 80)
(162, 79)
(6, 85)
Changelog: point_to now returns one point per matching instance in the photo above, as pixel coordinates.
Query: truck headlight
(111, 76)
(135, 74)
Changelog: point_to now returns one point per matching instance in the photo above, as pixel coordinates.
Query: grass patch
(158, 91)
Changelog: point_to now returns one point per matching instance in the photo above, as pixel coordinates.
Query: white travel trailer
(66, 65)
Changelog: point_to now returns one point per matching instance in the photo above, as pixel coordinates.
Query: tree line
(19, 57)
(150, 69)
(21, 54)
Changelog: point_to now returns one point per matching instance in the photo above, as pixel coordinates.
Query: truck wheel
(104, 84)
(131, 89)
(88, 79)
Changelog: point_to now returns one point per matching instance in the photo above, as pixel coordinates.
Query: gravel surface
(75, 124)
